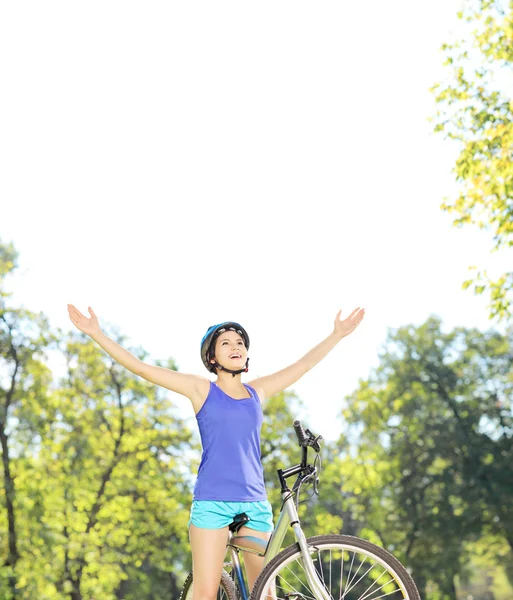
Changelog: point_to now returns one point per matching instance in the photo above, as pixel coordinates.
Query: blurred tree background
(97, 468)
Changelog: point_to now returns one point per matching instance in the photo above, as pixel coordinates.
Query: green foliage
(430, 469)
(484, 571)
(8, 261)
(476, 110)
(97, 483)
(25, 404)
(114, 462)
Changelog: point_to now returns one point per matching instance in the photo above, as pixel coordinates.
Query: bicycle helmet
(208, 345)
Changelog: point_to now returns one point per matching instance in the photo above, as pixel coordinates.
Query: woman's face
(230, 351)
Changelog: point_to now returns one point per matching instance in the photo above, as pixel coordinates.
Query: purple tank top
(230, 468)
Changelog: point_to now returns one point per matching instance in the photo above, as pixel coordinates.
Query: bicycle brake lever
(313, 440)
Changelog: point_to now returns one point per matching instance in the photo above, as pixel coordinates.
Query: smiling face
(230, 351)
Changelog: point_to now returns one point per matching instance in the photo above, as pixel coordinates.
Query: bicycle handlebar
(300, 433)
(306, 438)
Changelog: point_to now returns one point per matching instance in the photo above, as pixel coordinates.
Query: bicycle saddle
(238, 521)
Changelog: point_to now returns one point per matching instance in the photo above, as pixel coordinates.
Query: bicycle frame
(247, 543)
(276, 573)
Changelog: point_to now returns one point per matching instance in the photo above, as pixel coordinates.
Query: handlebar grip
(300, 432)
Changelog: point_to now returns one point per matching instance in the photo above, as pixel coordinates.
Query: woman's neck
(228, 381)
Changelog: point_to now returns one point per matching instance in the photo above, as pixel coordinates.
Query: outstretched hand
(347, 326)
(88, 326)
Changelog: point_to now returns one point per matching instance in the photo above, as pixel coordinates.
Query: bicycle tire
(401, 579)
(226, 588)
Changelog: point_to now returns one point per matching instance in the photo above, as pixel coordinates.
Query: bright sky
(175, 165)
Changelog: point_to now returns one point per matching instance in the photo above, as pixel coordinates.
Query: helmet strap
(238, 372)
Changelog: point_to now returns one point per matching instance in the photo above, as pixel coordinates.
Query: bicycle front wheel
(348, 567)
(226, 588)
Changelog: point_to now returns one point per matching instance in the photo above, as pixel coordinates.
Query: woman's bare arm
(191, 386)
(270, 385)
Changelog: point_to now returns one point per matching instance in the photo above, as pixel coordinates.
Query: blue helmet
(208, 342)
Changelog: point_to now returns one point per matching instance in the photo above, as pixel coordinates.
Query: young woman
(229, 415)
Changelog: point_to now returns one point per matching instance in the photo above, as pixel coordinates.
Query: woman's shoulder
(201, 392)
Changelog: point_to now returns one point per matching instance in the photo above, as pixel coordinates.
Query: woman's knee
(202, 592)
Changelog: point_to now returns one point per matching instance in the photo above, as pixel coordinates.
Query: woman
(229, 414)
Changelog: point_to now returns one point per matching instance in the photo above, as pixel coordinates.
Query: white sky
(175, 165)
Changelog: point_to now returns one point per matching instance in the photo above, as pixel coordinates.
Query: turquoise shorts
(210, 514)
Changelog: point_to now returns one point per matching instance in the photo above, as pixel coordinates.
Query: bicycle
(323, 567)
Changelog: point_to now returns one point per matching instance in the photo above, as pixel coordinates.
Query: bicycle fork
(317, 587)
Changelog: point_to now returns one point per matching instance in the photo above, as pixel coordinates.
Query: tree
(24, 401)
(115, 495)
(434, 429)
(476, 110)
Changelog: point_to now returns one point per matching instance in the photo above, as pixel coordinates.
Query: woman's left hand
(347, 326)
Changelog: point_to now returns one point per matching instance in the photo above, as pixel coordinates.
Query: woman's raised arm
(270, 385)
(192, 386)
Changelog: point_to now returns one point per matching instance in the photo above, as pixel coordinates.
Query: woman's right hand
(87, 326)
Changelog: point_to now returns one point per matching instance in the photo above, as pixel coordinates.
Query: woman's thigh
(208, 551)
(253, 563)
